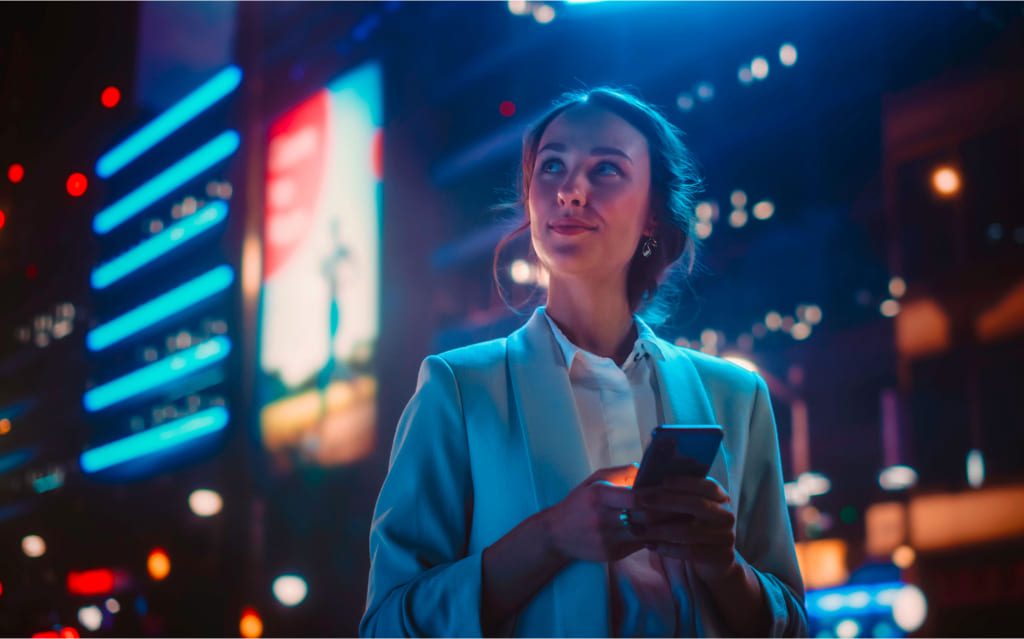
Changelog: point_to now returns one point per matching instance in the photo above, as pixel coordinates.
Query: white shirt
(619, 407)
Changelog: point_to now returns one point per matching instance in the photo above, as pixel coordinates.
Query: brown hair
(675, 183)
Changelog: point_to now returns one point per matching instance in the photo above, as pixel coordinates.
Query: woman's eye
(550, 166)
(607, 168)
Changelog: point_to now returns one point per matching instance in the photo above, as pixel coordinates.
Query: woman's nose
(572, 194)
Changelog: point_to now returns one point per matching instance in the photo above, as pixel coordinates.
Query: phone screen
(678, 450)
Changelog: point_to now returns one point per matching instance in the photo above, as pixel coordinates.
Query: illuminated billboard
(319, 308)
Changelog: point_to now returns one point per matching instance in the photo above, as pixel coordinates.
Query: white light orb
(290, 590)
(205, 503)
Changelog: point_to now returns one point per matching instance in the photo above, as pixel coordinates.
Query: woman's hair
(675, 183)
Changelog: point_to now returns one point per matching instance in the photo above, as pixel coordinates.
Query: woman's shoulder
(717, 372)
(476, 356)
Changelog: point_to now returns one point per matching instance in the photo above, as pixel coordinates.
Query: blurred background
(229, 233)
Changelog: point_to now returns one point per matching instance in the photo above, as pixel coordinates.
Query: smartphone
(678, 450)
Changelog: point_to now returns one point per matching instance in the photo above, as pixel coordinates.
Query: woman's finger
(700, 508)
(684, 534)
(704, 486)
(617, 475)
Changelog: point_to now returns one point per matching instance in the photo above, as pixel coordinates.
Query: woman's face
(590, 192)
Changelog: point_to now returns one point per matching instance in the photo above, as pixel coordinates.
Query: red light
(77, 184)
(3, 218)
(69, 633)
(110, 97)
(507, 108)
(15, 173)
(46, 635)
(91, 582)
(30, 272)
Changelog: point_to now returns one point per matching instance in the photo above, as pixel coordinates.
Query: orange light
(158, 564)
(5, 427)
(15, 173)
(251, 626)
(946, 181)
(110, 97)
(77, 184)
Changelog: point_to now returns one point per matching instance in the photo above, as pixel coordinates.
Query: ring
(624, 518)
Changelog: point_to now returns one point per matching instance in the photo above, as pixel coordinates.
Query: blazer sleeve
(422, 581)
(764, 535)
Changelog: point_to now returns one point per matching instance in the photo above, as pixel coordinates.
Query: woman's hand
(587, 524)
(689, 518)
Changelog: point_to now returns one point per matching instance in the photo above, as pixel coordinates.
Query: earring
(648, 246)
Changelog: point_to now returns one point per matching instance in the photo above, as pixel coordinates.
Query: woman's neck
(593, 319)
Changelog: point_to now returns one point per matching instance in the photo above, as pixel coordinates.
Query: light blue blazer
(492, 436)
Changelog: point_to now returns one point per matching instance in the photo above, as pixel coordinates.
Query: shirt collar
(646, 341)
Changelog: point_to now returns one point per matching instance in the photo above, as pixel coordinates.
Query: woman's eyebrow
(597, 150)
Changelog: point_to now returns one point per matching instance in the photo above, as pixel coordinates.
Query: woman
(508, 506)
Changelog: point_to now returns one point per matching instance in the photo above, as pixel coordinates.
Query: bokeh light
(904, 556)
(897, 478)
(946, 181)
(773, 321)
(544, 13)
(759, 68)
(897, 287)
(910, 608)
(889, 308)
(290, 590)
(507, 108)
(91, 617)
(110, 97)
(33, 546)
(746, 77)
(800, 331)
(518, 7)
(705, 91)
(764, 210)
(77, 184)
(975, 468)
(787, 55)
(738, 198)
(205, 503)
(684, 101)
(738, 218)
(113, 606)
(158, 564)
(15, 173)
(250, 626)
(847, 628)
(521, 271)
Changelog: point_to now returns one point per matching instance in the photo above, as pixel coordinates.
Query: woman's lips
(570, 229)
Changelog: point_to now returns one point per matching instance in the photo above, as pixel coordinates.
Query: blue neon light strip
(855, 600)
(159, 308)
(154, 440)
(153, 248)
(157, 374)
(10, 461)
(171, 178)
(184, 111)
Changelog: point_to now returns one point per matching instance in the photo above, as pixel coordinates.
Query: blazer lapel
(558, 462)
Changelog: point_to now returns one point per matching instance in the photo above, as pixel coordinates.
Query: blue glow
(154, 440)
(169, 121)
(49, 482)
(10, 461)
(853, 601)
(160, 308)
(171, 178)
(153, 248)
(157, 374)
